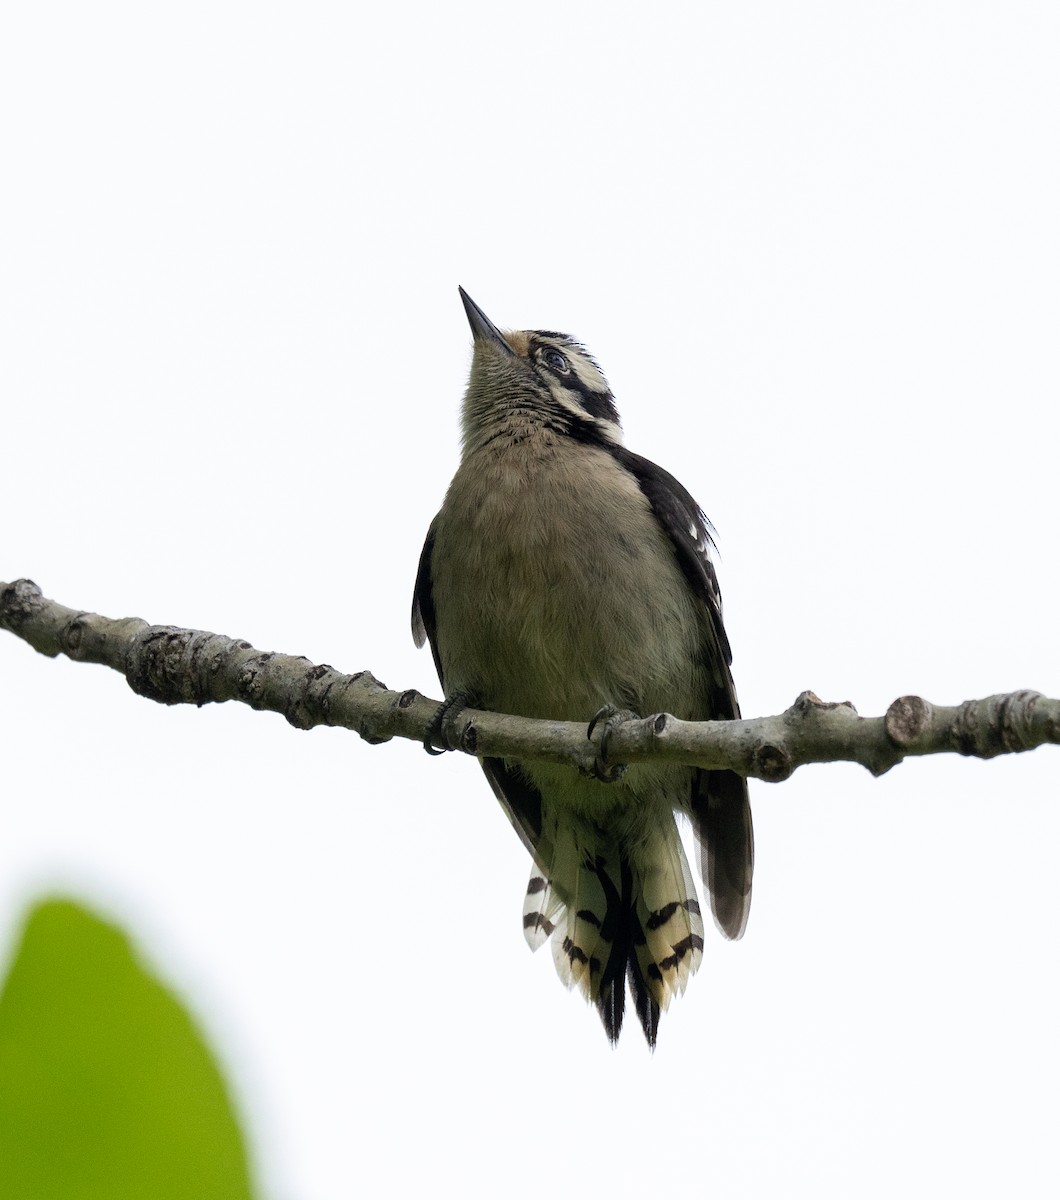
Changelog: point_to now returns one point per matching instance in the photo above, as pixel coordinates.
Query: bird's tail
(617, 913)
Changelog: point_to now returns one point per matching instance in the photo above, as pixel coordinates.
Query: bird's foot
(436, 726)
(612, 717)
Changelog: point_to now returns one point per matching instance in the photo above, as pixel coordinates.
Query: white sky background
(815, 248)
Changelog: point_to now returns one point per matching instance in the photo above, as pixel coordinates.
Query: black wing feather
(423, 623)
(690, 532)
(719, 806)
(519, 799)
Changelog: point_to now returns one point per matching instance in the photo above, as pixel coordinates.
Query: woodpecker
(565, 576)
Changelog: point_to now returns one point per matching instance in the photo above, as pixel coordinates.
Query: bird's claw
(612, 718)
(436, 726)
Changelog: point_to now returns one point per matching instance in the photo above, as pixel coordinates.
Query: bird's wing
(423, 625)
(690, 533)
(721, 813)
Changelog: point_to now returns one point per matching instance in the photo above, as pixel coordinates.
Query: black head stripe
(596, 403)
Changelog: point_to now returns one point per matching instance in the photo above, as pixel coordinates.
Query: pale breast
(556, 591)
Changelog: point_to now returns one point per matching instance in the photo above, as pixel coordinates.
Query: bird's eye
(555, 360)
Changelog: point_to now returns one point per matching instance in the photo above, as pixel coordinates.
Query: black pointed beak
(482, 328)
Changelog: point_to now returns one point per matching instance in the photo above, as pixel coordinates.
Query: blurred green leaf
(107, 1089)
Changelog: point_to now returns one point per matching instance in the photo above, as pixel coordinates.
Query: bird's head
(534, 378)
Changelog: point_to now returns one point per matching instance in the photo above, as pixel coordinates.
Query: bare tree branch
(186, 666)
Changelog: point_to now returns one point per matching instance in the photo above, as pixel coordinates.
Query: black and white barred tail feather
(539, 910)
(669, 916)
(615, 917)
